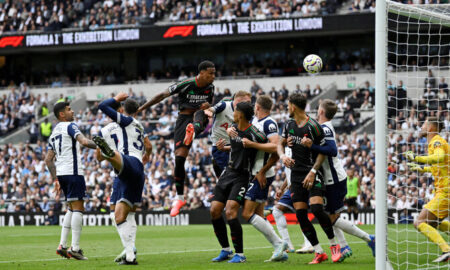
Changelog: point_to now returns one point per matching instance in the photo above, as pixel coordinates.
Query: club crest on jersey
(272, 127)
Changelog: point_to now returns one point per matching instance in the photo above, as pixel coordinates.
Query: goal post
(380, 135)
(412, 54)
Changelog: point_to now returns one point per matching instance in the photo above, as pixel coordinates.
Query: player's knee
(246, 214)
(119, 219)
(276, 213)
(317, 209)
(231, 214)
(215, 213)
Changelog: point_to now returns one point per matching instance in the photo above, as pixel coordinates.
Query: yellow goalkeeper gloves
(409, 155)
(415, 167)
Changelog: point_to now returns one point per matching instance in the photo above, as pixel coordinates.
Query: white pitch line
(149, 253)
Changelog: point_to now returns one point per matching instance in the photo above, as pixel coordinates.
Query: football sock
(355, 215)
(132, 220)
(113, 218)
(340, 236)
(306, 242)
(434, 236)
(220, 229)
(306, 226)
(324, 220)
(444, 227)
(180, 174)
(66, 228)
(280, 220)
(266, 229)
(318, 249)
(77, 222)
(350, 228)
(200, 121)
(236, 235)
(125, 232)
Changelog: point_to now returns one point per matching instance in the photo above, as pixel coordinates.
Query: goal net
(417, 77)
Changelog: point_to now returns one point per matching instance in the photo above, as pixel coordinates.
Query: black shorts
(351, 202)
(232, 185)
(301, 194)
(180, 130)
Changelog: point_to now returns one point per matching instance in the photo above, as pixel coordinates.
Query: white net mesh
(418, 72)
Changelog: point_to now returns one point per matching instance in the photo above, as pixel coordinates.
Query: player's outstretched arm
(268, 147)
(328, 149)
(85, 141)
(437, 157)
(156, 99)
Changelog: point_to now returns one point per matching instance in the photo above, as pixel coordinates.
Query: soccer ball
(312, 64)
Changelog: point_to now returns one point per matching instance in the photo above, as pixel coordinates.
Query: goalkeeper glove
(415, 167)
(409, 155)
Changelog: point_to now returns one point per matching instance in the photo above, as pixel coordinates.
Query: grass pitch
(169, 247)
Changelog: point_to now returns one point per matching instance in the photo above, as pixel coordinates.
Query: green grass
(409, 249)
(177, 247)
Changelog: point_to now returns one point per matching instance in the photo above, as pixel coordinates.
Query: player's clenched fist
(287, 161)
(409, 155)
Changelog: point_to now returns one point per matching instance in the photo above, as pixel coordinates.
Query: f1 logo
(183, 31)
(13, 41)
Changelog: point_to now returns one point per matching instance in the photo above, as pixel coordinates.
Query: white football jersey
(131, 139)
(269, 127)
(223, 119)
(67, 149)
(332, 167)
(111, 133)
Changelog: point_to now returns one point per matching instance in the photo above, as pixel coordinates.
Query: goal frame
(381, 259)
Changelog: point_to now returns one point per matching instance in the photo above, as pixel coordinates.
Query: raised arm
(106, 107)
(156, 99)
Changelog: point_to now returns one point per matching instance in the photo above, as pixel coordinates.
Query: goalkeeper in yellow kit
(437, 162)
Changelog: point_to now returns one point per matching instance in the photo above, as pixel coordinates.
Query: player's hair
(60, 107)
(204, 65)
(242, 93)
(329, 107)
(436, 122)
(298, 100)
(265, 102)
(246, 108)
(131, 106)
